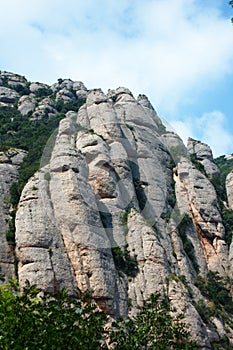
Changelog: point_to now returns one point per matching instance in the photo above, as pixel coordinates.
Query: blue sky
(177, 52)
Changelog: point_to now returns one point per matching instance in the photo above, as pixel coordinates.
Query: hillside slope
(115, 203)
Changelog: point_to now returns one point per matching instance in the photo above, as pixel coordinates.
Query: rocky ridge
(120, 206)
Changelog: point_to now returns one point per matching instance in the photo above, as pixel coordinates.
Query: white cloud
(211, 128)
(215, 132)
(161, 47)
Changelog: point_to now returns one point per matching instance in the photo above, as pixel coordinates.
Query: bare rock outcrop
(196, 196)
(26, 104)
(12, 80)
(229, 189)
(45, 109)
(9, 165)
(35, 87)
(119, 206)
(7, 96)
(108, 189)
(203, 153)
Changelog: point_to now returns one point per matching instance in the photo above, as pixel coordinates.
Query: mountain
(97, 194)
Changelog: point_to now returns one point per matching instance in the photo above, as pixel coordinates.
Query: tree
(154, 327)
(32, 322)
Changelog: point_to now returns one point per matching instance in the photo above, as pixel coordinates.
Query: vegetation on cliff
(30, 321)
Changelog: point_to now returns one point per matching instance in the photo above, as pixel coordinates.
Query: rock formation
(9, 166)
(117, 185)
(229, 188)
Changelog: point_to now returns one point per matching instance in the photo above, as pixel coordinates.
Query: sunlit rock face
(229, 189)
(104, 212)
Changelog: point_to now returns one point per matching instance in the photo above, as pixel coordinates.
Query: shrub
(152, 328)
(10, 234)
(198, 165)
(30, 321)
(124, 262)
(187, 244)
(214, 288)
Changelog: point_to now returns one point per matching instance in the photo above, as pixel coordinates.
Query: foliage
(20, 132)
(227, 220)
(187, 244)
(31, 322)
(225, 166)
(177, 152)
(73, 105)
(198, 165)
(153, 327)
(22, 89)
(124, 262)
(214, 288)
(224, 343)
(43, 92)
(10, 234)
(218, 182)
(140, 192)
(205, 311)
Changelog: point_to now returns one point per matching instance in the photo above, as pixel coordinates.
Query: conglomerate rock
(118, 186)
(229, 189)
(9, 165)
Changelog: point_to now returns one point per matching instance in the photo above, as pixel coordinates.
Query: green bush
(187, 244)
(20, 132)
(225, 166)
(198, 165)
(124, 262)
(29, 321)
(152, 328)
(227, 220)
(214, 288)
(10, 234)
(43, 92)
(21, 89)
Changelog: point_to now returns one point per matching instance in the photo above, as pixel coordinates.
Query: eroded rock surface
(229, 189)
(203, 153)
(7, 96)
(117, 182)
(9, 165)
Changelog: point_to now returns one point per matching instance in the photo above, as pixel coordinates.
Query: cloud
(172, 50)
(211, 128)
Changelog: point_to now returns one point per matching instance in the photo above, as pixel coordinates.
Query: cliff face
(9, 165)
(120, 206)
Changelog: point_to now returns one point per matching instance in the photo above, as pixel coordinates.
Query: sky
(177, 52)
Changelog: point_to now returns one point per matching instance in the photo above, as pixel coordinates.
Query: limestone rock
(64, 95)
(63, 83)
(35, 87)
(45, 109)
(12, 80)
(26, 104)
(7, 96)
(9, 165)
(196, 195)
(69, 85)
(203, 153)
(117, 180)
(229, 189)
